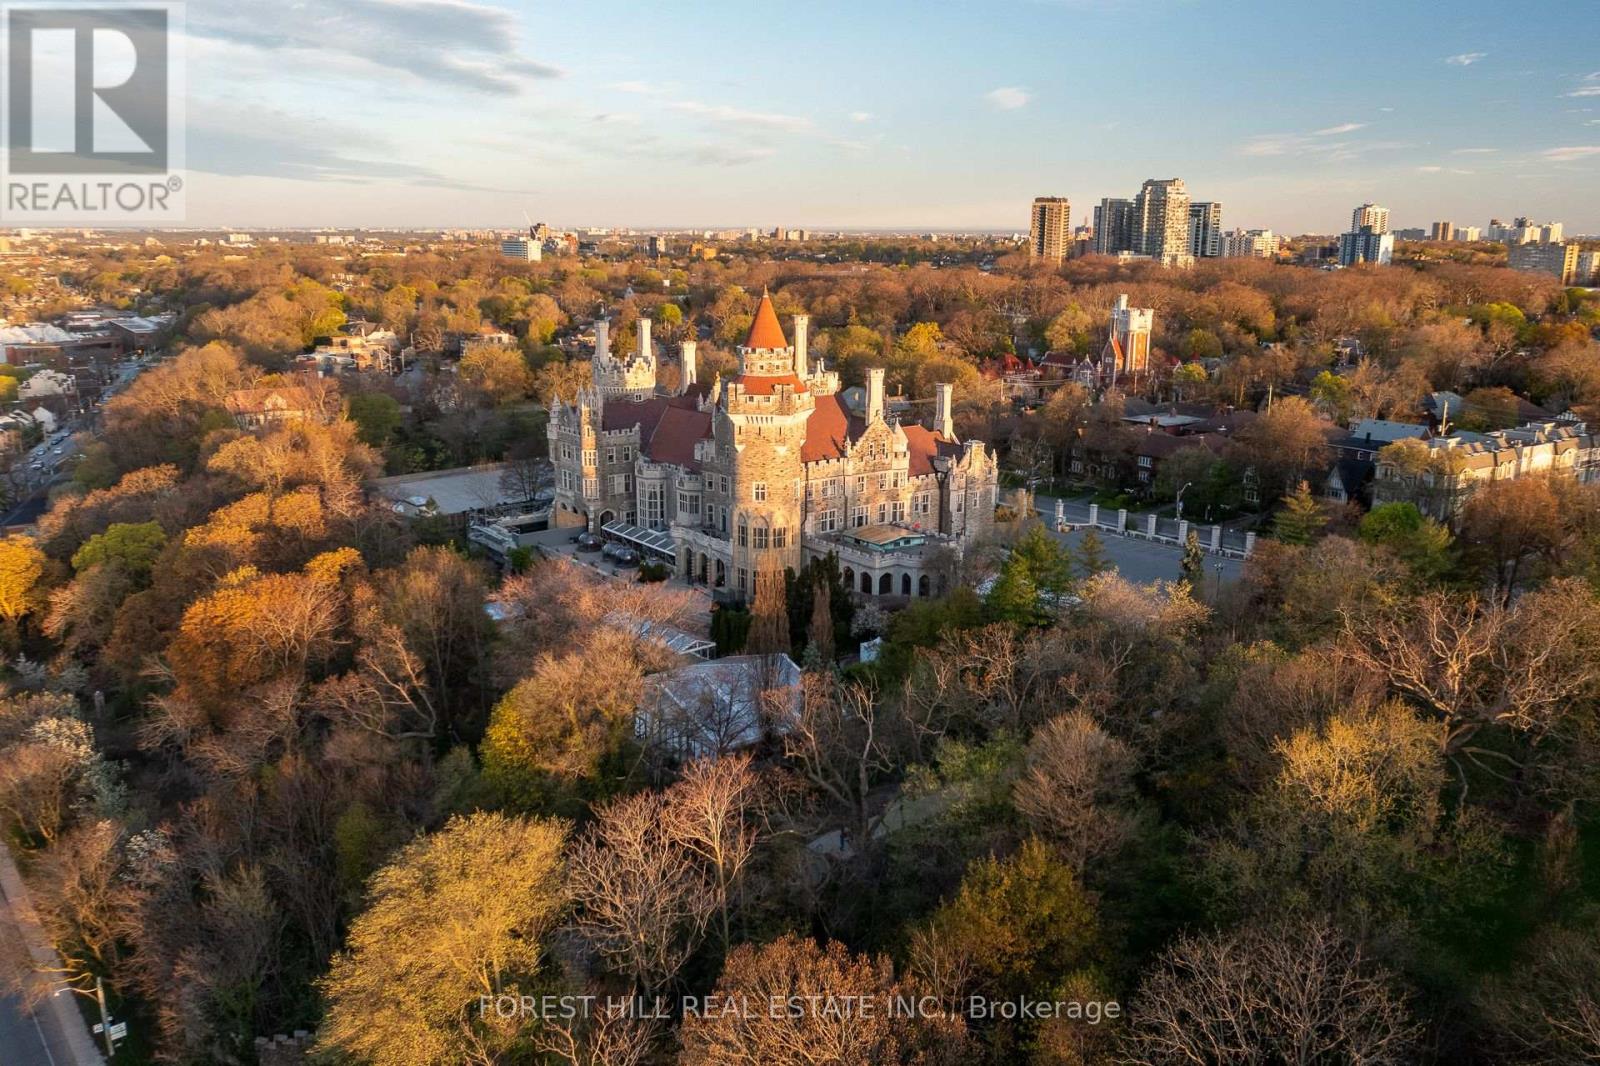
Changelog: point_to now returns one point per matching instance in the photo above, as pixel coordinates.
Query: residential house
(1440, 474)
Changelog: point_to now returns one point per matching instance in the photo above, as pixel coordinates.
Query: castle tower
(761, 426)
(1127, 350)
(630, 379)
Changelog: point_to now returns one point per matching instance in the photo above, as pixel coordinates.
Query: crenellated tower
(633, 378)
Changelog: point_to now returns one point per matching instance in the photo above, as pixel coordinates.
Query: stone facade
(770, 468)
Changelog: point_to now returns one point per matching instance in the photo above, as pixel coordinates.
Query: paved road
(1145, 561)
(28, 1036)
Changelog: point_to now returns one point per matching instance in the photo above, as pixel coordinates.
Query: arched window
(866, 582)
(849, 577)
(922, 585)
(886, 585)
(905, 584)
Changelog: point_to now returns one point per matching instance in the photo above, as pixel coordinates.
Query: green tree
(1014, 597)
(1071, 329)
(1201, 344)
(1092, 555)
(134, 546)
(1421, 543)
(1190, 378)
(1192, 568)
(376, 415)
(1021, 923)
(1331, 393)
(1300, 518)
(1046, 560)
(455, 920)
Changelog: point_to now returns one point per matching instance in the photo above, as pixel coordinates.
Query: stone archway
(905, 584)
(922, 586)
(866, 582)
(886, 585)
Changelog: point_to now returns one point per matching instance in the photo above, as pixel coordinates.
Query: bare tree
(1295, 994)
(833, 732)
(1473, 663)
(710, 812)
(1076, 788)
(602, 1038)
(643, 899)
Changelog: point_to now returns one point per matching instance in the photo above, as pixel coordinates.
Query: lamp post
(1181, 491)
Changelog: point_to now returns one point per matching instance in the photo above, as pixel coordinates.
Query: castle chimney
(944, 422)
(686, 357)
(602, 339)
(874, 395)
(802, 325)
(645, 352)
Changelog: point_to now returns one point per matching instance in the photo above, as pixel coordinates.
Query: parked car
(625, 557)
(589, 542)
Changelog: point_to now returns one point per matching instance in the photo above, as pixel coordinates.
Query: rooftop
(765, 332)
(457, 491)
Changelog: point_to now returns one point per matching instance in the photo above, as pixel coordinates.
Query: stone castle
(767, 469)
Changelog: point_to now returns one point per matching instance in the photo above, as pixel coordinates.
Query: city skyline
(851, 117)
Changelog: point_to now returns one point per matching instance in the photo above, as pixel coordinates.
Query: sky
(933, 114)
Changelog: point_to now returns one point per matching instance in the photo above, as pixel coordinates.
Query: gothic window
(760, 538)
(780, 537)
(759, 490)
(744, 534)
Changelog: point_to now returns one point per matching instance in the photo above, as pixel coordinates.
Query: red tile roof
(923, 444)
(675, 436)
(625, 414)
(829, 428)
(764, 329)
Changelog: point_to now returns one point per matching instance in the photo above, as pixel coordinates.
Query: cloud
(262, 142)
(1008, 98)
(1429, 170)
(738, 116)
(860, 116)
(1465, 59)
(721, 155)
(1588, 90)
(1473, 151)
(641, 88)
(453, 42)
(1571, 153)
(1325, 143)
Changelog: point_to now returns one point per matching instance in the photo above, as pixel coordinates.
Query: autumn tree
(455, 920)
(795, 970)
(563, 731)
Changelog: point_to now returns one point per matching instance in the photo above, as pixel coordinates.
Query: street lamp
(1181, 491)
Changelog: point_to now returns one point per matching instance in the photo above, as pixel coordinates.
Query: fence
(1214, 540)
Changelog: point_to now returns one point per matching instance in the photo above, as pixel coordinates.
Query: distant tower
(1127, 350)
(1050, 228)
(761, 426)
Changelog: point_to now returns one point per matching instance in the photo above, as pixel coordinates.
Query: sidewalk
(59, 1009)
